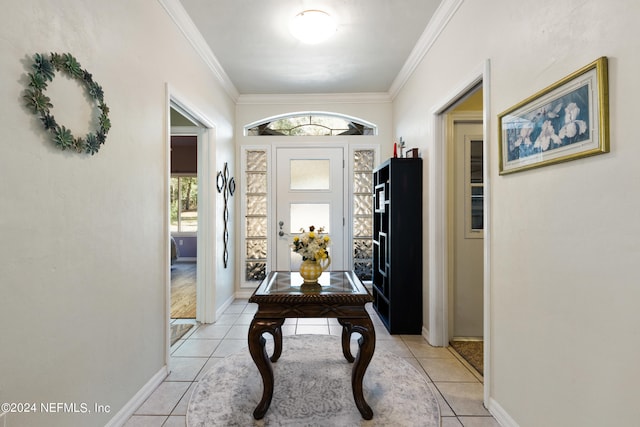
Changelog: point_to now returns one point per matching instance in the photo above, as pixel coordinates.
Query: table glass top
(290, 283)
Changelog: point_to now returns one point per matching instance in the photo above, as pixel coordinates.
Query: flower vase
(311, 270)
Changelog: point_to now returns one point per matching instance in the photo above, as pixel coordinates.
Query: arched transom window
(310, 124)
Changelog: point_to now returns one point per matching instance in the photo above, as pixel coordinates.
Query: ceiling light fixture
(312, 26)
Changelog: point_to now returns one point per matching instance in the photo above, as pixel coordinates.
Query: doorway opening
(204, 130)
(183, 199)
(183, 223)
(438, 254)
(188, 223)
(465, 228)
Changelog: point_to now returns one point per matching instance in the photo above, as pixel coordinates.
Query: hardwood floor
(183, 290)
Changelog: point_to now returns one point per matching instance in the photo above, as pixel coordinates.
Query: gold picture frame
(565, 121)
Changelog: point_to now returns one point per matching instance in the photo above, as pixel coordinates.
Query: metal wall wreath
(44, 70)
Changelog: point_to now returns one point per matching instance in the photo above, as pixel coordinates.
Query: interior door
(468, 248)
(309, 191)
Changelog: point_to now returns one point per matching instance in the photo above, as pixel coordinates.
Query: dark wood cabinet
(397, 245)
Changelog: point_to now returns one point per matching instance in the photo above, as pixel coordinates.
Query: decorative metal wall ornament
(44, 70)
(227, 187)
(220, 182)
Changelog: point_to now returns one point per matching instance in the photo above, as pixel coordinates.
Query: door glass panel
(476, 161)
(304, 215)
(310, 174)
(473, 191)
(477, 201)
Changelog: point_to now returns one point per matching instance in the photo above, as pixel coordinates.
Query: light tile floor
(457, 386)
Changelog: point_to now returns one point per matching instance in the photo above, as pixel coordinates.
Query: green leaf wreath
(44, 69)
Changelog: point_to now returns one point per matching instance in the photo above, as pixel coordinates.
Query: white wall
(564, 252)
(83, 264)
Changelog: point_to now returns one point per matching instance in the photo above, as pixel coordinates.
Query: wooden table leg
(346, 340)
(277, 342)
(366, 347)
(261, 359)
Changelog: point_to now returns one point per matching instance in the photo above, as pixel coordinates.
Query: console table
(340, 295)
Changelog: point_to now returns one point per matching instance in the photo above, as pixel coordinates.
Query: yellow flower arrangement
(311, 245)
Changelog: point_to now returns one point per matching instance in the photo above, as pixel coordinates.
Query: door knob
(281, 233)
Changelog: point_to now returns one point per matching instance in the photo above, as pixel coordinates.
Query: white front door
(309, 191)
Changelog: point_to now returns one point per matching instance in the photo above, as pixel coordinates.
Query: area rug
(178, 330)
(472, 352)
(313, 388)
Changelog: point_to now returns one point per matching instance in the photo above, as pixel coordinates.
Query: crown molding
(316, 98)
(184, 23)
(436, 25)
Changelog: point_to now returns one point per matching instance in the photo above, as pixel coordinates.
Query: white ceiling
(251, 42)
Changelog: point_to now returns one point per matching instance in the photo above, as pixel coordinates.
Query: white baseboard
(426, 335)
(501, 416)
(224, 306)
(138, 399)
(244, 294)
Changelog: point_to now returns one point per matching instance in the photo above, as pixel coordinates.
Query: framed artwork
(566, 121)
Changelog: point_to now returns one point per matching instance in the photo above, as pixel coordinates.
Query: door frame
(452, 119)
(436, 216)
(244, 289)
(206, 244)
(200, 133)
